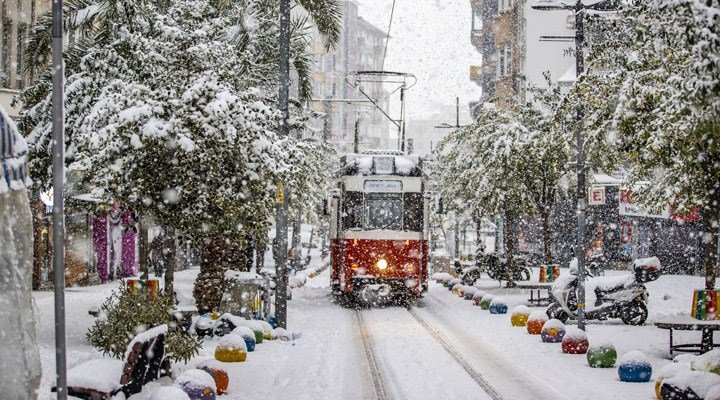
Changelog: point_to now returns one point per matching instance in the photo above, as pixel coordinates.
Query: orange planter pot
(535, 327)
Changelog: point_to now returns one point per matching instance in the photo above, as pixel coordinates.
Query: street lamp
(578, 7)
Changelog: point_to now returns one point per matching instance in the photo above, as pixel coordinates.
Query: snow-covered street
(440, 347)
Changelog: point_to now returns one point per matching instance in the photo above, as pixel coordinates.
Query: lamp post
(282, 199)
(578, 7)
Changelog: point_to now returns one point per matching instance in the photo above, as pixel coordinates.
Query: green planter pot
(258, 336)
(602, 357)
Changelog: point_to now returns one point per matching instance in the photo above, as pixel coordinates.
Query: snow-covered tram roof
(381, 163)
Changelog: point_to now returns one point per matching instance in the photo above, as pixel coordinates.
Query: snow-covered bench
(105, 378)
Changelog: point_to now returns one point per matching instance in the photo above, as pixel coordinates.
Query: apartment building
(516, 47)
(16, 19)
(361, 48)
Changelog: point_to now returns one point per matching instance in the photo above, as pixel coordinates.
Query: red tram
(378, 228)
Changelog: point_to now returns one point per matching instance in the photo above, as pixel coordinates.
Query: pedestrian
(157, 254)
(19, 356)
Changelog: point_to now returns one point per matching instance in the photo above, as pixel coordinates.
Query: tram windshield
(383, 211)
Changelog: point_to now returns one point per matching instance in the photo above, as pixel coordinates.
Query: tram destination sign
(383, 186)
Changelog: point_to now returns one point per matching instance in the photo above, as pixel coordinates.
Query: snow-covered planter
(553, 331)
(452, 282)
(197, 384)
(498, 305)
(248, 335)
(219, 375)
(169, 392)
(441, 277)
(689, 385)
(231, 348)
(485, 302)
(458, 289)
(520, 315)
(469, 293)
(602, 355)
(708, 362)
(668, 371)
(575, 341)
(535, 322)
(478, 296)
(713, 393)
(634, 367)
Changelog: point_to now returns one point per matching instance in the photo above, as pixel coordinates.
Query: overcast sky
(431, 39)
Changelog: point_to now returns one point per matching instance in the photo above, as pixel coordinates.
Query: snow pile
(635, 358)
(470, 289)
(647, 262)
(697, 381)
(538, 315)
(232, 342)
(244, 331)
(498, 301)
(102, 374)
(575, 333)
(196, 378)
(285, 335)
(169, 393)
(146, 336)
(521, 309)
(708, 362)
(552, 324)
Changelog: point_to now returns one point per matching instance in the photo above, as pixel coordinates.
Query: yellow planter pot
(230, 355)
(519, 319)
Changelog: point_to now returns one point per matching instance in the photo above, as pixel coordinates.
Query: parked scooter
(623, 297)
(496, 268)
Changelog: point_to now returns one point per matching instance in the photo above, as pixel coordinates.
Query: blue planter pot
(635, 372)
(249, 343)
(498, 308)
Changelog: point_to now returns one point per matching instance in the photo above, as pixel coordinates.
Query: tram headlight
(410, 267)
(382, 264)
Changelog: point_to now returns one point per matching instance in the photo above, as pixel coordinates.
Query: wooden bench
(104, 378)
(688, 323)
(538, 287)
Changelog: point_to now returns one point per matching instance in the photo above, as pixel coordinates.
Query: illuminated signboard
(383, 186)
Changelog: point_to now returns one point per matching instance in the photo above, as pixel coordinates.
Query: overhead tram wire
(387, 39)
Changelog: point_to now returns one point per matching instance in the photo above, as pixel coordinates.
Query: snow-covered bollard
(535, 322)
(602, 355)
(485, 302)
(575, 341)
(266, 329)
(553, 331)
(219, 375)
(197, 384)
(634, 367)
(231, 348)
(668, 371)
(520, 315)
(498, 305)
(169, 392)
(452, 282)
(470, 292)
(248, 335)
(478, 296)
(458, 289)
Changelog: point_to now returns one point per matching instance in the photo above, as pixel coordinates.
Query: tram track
(375, 375)
(379, 371)
(440, 339)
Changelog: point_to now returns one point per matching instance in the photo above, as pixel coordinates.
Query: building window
(477, 23)
(5, 54)
(505, 61)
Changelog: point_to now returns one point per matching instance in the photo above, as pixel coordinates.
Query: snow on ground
(329, 361)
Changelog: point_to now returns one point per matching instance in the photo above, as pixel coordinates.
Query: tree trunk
(509, 247)
(711, 230)
(309, 254)
(170, 256)
(217, 257)
(479, 240)
(296, 245)
(547, 236)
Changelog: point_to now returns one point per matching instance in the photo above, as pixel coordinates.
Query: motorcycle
(496, 268)
(623, 296)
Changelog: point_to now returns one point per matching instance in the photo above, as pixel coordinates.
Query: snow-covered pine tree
(653, 89)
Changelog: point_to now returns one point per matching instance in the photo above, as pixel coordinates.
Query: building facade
(516, 47)
(361, 48)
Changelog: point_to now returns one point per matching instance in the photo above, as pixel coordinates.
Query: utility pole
(58, 214)
(580, 164)
(281, 208)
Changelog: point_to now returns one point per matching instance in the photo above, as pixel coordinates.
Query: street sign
(596, 196)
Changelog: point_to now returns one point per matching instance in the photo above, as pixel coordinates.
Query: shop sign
(597, 196)
(630, 207)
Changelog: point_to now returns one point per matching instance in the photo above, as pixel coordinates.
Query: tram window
(413, 212)
(383, 211)
(352, 210)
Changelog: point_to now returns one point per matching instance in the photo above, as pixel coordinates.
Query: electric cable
(387, 39)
